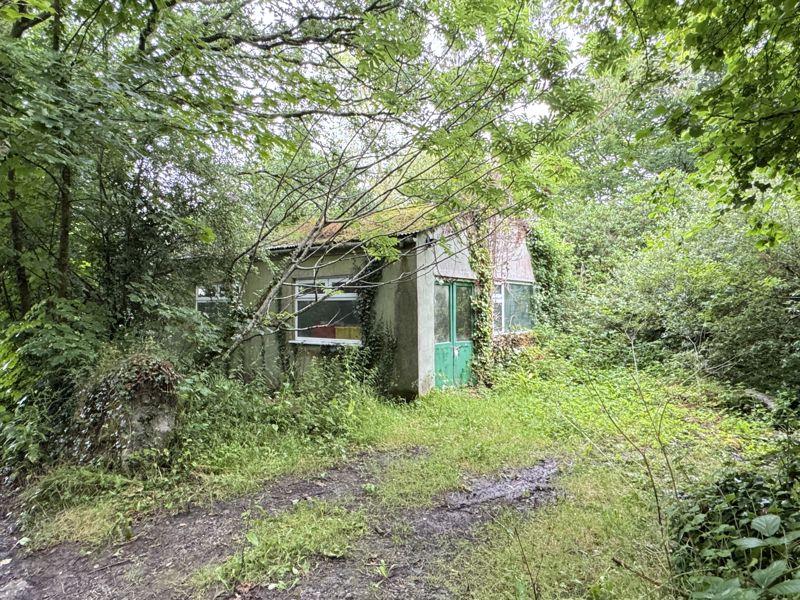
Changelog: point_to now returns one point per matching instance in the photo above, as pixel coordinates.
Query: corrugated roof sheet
(395, 221)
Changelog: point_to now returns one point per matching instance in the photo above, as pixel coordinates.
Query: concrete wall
(425, 279)
(396, 311)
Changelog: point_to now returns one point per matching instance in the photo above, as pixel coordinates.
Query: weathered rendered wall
(261, 353)
(395, 310)
(425, 281)
(507, 244)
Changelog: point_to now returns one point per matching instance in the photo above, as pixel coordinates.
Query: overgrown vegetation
(231, 437)
(653, 148)
(278, 549)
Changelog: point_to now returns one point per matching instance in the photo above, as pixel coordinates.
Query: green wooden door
(452, 333)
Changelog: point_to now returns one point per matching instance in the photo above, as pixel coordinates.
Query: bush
(43, 358)
(553, 263)
(320, 403)
(316, 407)
(508, 347)
(738, 537)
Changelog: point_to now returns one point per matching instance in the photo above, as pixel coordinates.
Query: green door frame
(453, 357)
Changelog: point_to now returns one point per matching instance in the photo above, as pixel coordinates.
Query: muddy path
(394, 560)
(406, 549)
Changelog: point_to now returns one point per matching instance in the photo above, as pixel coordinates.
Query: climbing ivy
(285, 361)
(553, 267)
(379, 342)
(480, 261)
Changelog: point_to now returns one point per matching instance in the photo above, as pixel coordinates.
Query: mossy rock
(129, 412)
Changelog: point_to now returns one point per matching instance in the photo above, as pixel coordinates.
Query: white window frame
(331, 285)
(204, 299)
(501, 295)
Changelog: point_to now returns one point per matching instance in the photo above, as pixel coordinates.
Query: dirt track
(395, 560)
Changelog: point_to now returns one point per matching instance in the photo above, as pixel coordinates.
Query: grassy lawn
(600, 540)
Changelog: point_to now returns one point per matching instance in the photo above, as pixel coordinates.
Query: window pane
(463, 313)
(497, 309)
(210, 292)
(518, 307)
(497, 316)
(214, 310)
(310, 288)
(329, 319)
(441, 314)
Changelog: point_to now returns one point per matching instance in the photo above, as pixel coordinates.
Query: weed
(279, 549)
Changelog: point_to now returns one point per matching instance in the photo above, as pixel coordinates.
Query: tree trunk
(65, 212)
(65, 185)
(23, 286)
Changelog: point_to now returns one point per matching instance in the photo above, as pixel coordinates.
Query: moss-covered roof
(394, 221)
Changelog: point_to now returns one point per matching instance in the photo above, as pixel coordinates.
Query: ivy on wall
(480, 260)
(285, 358)
(553, 269)
(379, 343)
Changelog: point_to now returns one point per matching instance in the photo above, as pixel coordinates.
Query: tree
(177, 130)
(742, 112)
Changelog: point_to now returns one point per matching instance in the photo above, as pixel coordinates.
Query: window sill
(324, 342)
(513, 332)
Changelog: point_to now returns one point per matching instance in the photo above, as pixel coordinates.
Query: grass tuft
(278, 549)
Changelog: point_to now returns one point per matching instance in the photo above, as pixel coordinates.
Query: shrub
(553, 263)
(509, 346)
(320, 403)
(738, 537)
(222, 412)
(43, 359)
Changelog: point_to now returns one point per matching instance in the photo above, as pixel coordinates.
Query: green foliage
(247, 432)
(553, 268)
(321, 402)
(59, 339)
(186, 336)
(44, 358)
(705, 296)
(741, 115)
(541, 406)
(544, 406)
(738, 536)
(106, 427)
(230, 438)
(62, 349)
(482, 302)
(279, 549)
(378, 341)
(70, 486)
(509, 347)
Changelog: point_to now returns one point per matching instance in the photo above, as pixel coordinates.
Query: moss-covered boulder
(130, 412)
